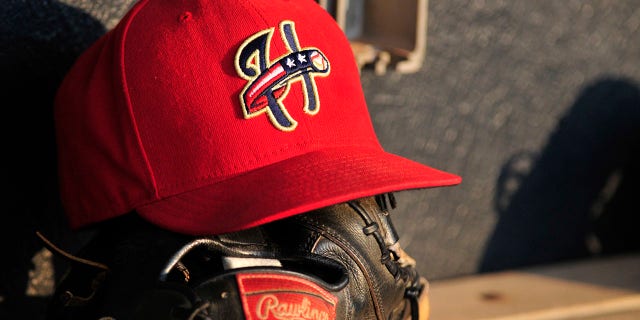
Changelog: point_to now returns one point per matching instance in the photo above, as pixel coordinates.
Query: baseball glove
(338, 262)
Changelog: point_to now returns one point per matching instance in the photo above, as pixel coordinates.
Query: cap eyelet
(185, 16)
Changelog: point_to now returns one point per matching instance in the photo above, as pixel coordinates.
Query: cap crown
(184, 94)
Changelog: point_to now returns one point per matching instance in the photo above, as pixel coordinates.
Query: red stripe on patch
(268, 296)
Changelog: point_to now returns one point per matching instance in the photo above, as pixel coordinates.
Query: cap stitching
(125, 89)
(256, 160)
(264, 20)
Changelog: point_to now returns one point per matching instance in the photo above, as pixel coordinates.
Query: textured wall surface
(535, 104)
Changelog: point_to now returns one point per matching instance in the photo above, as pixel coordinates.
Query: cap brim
(296, 185)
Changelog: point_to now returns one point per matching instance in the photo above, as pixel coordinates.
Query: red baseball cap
(208, 117)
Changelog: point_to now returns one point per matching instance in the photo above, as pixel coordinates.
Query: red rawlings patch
(267, 296)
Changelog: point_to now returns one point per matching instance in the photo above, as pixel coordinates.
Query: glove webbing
(405, 272)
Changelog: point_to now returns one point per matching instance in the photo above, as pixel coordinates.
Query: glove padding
(338, 262)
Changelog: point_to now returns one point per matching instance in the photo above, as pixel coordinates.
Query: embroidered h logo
(269, 82)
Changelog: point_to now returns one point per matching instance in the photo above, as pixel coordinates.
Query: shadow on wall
(39, 40)
(576, 199)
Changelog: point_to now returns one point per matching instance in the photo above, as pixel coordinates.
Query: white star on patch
(290, 63)
(302, 57)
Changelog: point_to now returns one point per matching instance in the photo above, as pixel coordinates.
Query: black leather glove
(338, 262)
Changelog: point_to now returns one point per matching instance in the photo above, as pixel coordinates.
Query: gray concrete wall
(536, 105)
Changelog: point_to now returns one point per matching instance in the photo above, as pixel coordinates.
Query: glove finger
(359, 235)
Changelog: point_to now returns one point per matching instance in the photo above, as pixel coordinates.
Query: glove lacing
(392, 255)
